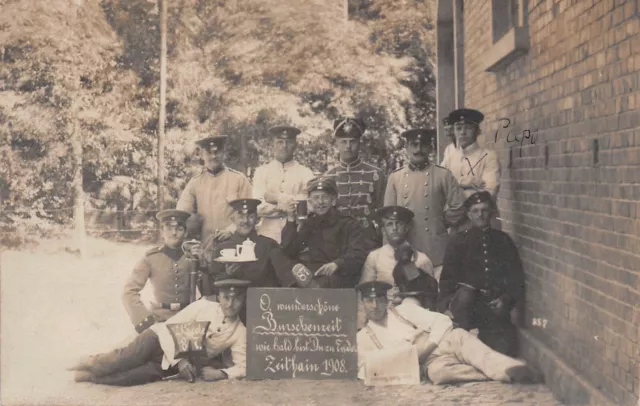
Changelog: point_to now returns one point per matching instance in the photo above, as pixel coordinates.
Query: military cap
(324, 184)
(478, 197)
(424, 135)
(213, 143)
(395, 213)
(348, 127)
(245, 205)
(373, 288)
(173, 217)
(232, 285)
(284, 131)
(465, 115)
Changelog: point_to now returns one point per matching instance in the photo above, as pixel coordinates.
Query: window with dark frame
(506, 15)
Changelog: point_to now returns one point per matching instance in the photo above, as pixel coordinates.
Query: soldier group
(418, 247)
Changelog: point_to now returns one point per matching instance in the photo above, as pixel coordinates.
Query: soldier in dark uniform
(482, 279)
(360, 184)
(208, 194)
(430, 192)
(167, 269)
(327, 250)
(260, 272)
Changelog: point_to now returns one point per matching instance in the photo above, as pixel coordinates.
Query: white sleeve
(434, 323)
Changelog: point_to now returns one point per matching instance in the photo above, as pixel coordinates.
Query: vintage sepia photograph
(319, 202)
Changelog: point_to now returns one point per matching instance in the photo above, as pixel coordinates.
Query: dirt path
(56, 308)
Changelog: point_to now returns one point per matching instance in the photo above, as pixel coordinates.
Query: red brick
(580, 81)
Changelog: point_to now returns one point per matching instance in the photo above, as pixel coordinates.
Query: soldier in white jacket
(280, 182)
(151, 356)
(445, 354)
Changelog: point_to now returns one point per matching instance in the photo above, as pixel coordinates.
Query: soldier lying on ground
(327, 250)
(445, 354)
(152, 354)
(167, 269)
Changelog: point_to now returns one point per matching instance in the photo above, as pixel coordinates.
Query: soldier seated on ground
(152, 356)
(445, 354)
(327, 250)
(167, 270)
(259, 271)
(482, 280)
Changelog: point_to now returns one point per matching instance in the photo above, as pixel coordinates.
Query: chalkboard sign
(301, 333)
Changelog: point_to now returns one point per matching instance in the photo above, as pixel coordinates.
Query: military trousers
(462, 357)
(470, 310)
(137, 363)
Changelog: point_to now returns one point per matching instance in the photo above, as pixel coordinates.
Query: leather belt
(482, 291)
(173, 306)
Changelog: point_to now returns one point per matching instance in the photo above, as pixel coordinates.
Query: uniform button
(426, 194)
(406, 185)
(426, 229)
(486, 261)
(426, 218)
(485, 252)
(176, 285)
(426, 207)
(427, 173)
(406, 205)
(406, 174)
(405, 196)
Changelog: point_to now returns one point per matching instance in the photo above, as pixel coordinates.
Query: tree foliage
(234, 66)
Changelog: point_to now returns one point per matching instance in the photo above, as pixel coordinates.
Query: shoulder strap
(402, 319)
(373, 337)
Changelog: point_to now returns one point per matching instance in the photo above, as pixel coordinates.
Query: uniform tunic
(168, 272)
(334, 237)
(360, 189)
(473, 163)
(275, 177)
(209, 196)
(485, 259)
(436, 200)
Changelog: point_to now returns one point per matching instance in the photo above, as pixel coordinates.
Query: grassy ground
(56, 308)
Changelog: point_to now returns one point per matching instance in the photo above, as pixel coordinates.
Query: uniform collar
(352, 164)
(483, 230)
(422, 167)
(470, 148)
(173, 253)
(238, 238)
(287, 165)
(330, 218)
(217, 171)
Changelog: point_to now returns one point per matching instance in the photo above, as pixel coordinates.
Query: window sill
(508, 48)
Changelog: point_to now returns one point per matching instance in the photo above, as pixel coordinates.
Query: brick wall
(576, 222)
